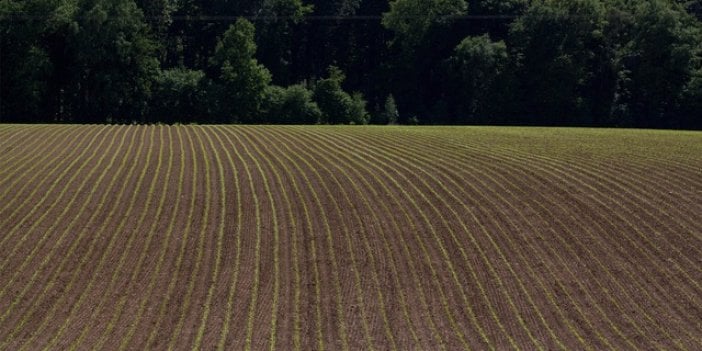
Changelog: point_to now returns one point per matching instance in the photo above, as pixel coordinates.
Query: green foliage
(291, 105)
(476, 67)
(411, 20)
(25, 64)
(26, 82)
(178, 96)
(275, 35)
(336, 7)
(337, 106)
(390, 113)
(694, 7)
(691, 103)
(498, 7)
(357, 109)
(658, 63)
(561, 59)
(286, 10)
(158, 14)
(241, 79)
(112, 59)
(424, 35)
(546, 62)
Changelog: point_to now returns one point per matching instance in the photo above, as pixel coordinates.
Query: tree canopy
(540, 62)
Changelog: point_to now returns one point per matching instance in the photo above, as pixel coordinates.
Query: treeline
(632, 63)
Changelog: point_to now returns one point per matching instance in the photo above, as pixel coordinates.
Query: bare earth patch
(349, 238)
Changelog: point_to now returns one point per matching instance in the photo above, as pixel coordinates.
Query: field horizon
(130, 237)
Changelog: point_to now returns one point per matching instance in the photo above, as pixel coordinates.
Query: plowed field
(349, 238)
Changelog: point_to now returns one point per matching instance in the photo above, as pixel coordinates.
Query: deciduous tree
(241, 80)
(338, 106)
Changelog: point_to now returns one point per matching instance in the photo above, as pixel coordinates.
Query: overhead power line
(227, 18)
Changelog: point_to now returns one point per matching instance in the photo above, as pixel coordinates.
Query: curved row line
(114, 236)
(624, 189)
(187, 232)
(36, 246)
(635, 169)
(402, 171)
(530, 166)
(276, 253)
(24, 155)
(220, 238)
(332, 256)
(222, 342)
(55, 243)
(552, 217)
(354, 264)
(139, 266)
(11, 136)
(60, 267)
(394, 271)
(426, 237)
(276, 263)
(399, 169)
(59, 157)
(123, 256)
(443, 252)
(176, 332)
(469, 183)
(620, 200)
(421, 167)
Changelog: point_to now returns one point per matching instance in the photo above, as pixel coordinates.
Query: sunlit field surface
(349, 238)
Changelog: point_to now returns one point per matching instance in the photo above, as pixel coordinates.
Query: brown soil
(346, 239)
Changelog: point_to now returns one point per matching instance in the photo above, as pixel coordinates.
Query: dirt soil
(349, 238)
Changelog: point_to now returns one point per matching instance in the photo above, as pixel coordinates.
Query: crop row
(256, 237)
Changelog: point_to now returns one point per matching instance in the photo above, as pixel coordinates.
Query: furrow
(257, 270)
(59, 158)
(96, 310)
(53, 280)
(28, 154)
(146, 293)
(533, 165)
(402, 170)
(197, 344)
(317, 282)
(280, 190)
(261, 135)
(202, 234)
(508, 203)
(394, 144)
(221, 344)
(116, 233)
(394, 272)
(166, 299)
(443, 252)
(56, 220)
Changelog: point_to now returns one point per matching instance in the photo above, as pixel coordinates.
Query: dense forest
(629, 63)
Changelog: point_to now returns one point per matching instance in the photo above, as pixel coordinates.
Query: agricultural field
(349, 238)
